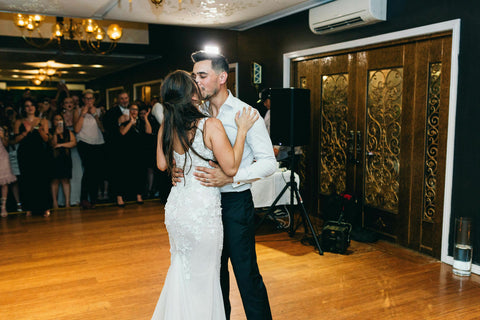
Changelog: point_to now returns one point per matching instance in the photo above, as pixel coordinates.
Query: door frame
(454, 27)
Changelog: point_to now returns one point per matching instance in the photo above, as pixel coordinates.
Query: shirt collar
(228, 104)
(124, 110)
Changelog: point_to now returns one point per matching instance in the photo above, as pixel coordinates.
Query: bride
(187, 139)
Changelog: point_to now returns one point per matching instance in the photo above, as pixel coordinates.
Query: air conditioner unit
(344, 14)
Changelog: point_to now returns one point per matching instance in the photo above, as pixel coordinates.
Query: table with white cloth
(265, 191)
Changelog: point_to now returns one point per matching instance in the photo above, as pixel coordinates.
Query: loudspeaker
(336, 236)
(290, 116)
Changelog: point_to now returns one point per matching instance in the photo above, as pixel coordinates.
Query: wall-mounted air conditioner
(343, 14)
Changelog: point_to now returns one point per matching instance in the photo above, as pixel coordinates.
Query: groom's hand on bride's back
(177, 174)
(212, 177)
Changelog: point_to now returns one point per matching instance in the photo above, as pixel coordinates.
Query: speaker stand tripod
(292, 184)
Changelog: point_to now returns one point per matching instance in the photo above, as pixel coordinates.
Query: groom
(210, 71)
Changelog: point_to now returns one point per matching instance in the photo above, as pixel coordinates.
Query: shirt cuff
(240, 177)
(237, 184)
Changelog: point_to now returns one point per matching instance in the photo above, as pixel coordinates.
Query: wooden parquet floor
(110, 263)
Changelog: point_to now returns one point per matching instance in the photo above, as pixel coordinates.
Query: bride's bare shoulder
(213, 123)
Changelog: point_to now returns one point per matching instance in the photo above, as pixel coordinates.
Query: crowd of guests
(70, 144)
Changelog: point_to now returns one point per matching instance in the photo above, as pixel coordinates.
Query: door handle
(351, 147)
(354, 147)
(359, 148)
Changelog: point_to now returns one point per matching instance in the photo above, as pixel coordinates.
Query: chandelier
(158, 3)
(88, 34)
(45, 72)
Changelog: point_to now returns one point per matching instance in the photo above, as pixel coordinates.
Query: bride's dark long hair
(180, 114)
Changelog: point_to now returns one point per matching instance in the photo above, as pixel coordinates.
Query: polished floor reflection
(110, 263)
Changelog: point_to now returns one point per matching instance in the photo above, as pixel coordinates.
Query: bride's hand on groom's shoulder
(212, 177)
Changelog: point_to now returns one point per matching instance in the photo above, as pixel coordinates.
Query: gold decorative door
(382, 138)
(379, 119)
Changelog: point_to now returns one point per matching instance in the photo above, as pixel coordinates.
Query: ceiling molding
(105, 9)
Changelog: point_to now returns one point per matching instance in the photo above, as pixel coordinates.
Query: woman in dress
(33, 159)
(193, 213)
(63, 140)
(68, 111)
(6, 175)
(135, 131)
(11, 118)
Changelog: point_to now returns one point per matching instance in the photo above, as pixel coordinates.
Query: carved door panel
(380, 125)
(331, 81)
(386, 140)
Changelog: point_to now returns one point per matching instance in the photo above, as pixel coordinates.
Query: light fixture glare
(114, 32)
(87, 33)
(212, 49)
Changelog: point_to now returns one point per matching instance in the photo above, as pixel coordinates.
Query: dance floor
(110, 263)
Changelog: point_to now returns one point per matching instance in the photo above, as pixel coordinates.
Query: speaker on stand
(290, 127)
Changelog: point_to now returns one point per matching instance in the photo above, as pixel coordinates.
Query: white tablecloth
(266, 190)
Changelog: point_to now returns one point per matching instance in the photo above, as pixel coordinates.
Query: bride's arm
(229, 158)
(161, 161)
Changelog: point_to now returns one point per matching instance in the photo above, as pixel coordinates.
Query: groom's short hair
(219, 62)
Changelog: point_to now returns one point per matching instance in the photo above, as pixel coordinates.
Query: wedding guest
(114, 142)
(135, 132)
(62, 141)
(68, 110)
(90, 144)
(32, 136)
(11, 118)
(149, 150)
(6, 175)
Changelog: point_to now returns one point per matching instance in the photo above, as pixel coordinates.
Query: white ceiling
(226, 14)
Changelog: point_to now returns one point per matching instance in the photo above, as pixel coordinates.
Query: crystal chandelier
(87, 33)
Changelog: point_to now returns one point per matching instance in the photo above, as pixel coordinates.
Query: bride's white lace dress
(194, 224)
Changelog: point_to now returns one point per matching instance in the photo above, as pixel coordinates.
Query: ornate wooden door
(379, 119)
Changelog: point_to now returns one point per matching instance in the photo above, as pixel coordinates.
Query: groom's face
(207, 79)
